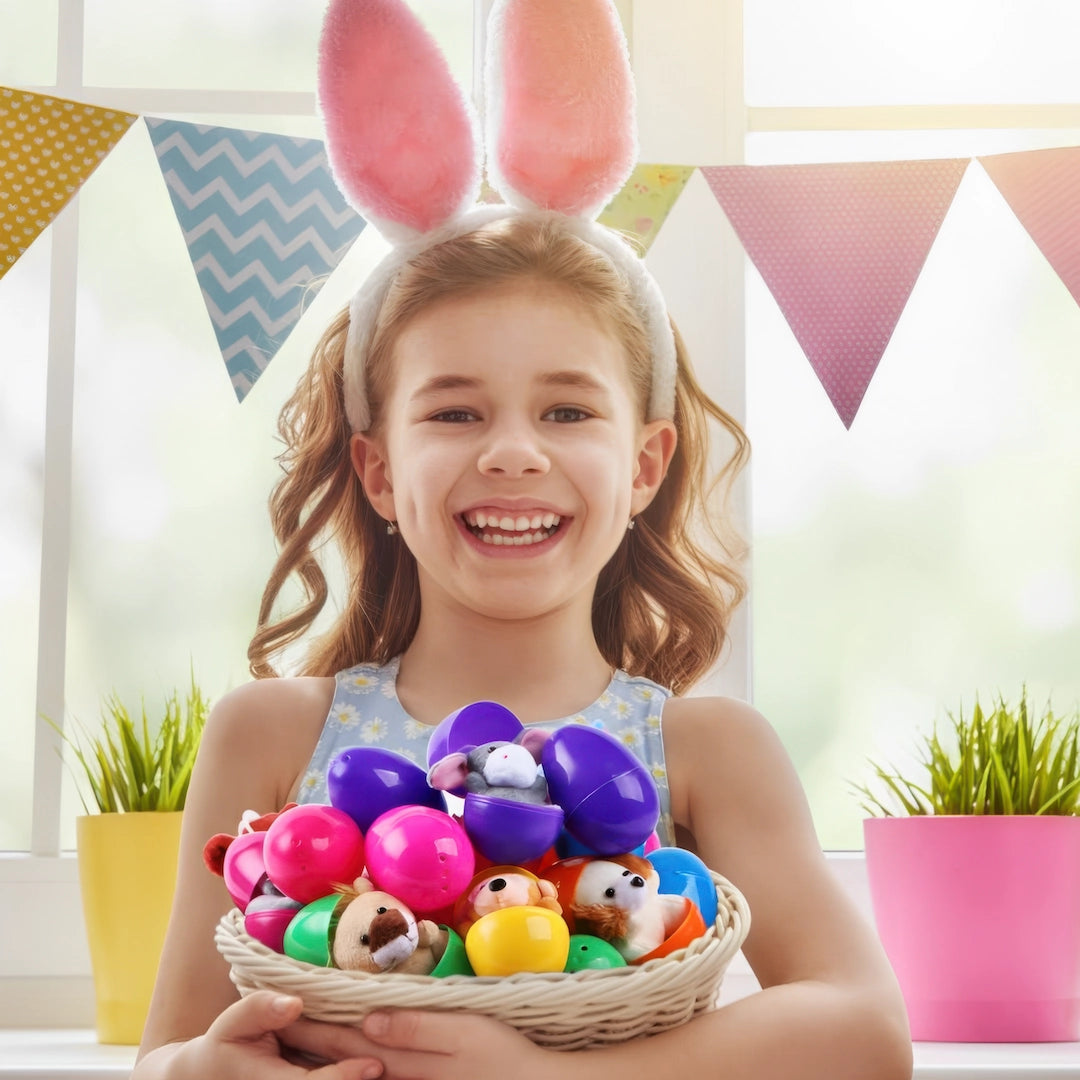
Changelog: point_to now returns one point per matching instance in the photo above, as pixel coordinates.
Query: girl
(505, 439)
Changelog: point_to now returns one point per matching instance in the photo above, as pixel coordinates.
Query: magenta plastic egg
(466, 728)
(515, 939)
(420, 855)
(366, 781)
(269, 927)
(312, 848)
(609, 797)
(244, 867)
(506, 831)
(588, 953)
(682, 873)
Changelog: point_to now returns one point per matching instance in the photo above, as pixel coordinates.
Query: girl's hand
(262, 1037)
(415, 1045)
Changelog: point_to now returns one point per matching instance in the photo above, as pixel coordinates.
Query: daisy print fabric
(366, 712)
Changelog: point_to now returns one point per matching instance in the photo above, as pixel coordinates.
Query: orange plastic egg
(517, 939)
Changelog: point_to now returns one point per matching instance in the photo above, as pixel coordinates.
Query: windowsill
(75, 1055)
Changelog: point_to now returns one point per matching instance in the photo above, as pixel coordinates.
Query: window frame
(44, 966)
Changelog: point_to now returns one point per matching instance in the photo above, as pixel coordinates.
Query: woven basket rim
(726, 934)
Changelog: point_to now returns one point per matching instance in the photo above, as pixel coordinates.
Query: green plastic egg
(588, 952)
(307, 937)
(454, 961)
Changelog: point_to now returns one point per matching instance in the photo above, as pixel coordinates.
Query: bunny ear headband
(404, 146)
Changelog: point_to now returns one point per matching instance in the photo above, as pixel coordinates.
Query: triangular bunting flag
(840, 247)
(645, 201)
(264, 224)
(49, 146)
(1043, 189)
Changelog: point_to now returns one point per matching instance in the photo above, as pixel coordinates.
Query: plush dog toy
(508, 770)
(376, 932)
(502, 887)
(618, 899)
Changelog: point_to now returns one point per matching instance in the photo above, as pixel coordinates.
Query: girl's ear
(657, 443)
(369, 460)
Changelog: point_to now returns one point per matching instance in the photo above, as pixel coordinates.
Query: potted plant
(136, 775)
(974, 871)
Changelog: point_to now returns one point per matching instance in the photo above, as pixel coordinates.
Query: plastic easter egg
(652, 844)
(307, 936)
(268, 927)
(420, 855)
(454, 961)
(564, 876)
(512, 832)
(466, 728)
(682, 873)
(588, 953)
(366, 781)
(244, 867)
(567, 846)
(311, 849)
(517, 939)
(691, 926)
(609, 798)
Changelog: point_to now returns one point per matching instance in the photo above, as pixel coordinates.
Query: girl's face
(511, 452)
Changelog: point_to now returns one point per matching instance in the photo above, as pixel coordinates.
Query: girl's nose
(512, 452)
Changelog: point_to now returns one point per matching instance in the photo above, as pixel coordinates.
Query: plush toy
(618, 899)
(502, 887)
(508, 770)
(375, 932)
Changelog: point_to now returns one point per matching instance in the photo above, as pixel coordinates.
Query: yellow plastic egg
(515, 939)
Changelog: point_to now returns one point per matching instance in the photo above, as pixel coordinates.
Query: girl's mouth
(504, 529)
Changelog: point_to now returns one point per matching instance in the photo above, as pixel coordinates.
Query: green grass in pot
(1003, 762)
(127, 768)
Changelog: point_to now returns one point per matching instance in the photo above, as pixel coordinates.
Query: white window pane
(24, 315)
(238, 45)
(854, 52)
(171, 541)
(933, 550)
(27, 42)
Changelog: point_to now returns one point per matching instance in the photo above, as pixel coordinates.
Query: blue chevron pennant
(264, 224)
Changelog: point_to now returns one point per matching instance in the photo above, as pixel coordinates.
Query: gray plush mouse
(507, 770)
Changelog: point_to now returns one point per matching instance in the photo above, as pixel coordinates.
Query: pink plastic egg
(420, 855)
(311, 849)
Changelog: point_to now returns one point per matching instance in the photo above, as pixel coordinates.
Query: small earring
(630, 525)
(391, 528)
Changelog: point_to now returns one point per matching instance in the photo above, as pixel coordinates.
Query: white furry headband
(403, 142)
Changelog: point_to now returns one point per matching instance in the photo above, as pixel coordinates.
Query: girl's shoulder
(276, 720)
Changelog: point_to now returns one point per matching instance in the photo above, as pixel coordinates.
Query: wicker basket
(561, 1011)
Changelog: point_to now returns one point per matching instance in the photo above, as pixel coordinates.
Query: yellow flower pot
(127, 877)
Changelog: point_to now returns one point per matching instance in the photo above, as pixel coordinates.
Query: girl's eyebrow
(574, 380)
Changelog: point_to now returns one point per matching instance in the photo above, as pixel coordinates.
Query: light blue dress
(366, 712)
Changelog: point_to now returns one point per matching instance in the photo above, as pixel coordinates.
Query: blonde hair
(662, 603)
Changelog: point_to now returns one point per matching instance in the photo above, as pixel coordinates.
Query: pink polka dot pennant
(840, 247)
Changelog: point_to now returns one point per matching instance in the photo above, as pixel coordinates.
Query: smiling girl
(505, 441)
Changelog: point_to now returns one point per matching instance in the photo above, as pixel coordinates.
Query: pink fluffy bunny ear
(401, 135)
(561, 131)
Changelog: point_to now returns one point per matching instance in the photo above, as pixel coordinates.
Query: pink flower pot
(980, 918)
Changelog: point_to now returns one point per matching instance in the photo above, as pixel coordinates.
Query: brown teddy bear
(376, 932)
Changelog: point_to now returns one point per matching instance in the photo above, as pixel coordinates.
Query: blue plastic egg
(682, 873)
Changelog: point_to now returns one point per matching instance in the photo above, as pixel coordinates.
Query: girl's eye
(567, 414)
(453, 416)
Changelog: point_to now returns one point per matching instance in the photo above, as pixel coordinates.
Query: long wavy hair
(664, 600)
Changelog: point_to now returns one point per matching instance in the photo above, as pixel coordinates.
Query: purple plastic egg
(366, 781)
(510, 832)
(312, 848)
(420, 855)
(609, 798)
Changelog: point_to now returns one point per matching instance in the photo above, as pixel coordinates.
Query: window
(930, 552)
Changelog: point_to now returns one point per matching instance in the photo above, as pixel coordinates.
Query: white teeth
(530, 530)
(506, 523)
(548, 520)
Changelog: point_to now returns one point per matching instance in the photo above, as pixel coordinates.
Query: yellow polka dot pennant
(48, 148)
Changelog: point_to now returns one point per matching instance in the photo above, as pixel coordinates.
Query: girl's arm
(256, 741)
(829, 1009)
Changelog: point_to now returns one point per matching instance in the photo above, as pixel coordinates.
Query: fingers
(321, 1042)
(431, 1032)
(254, 1016)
